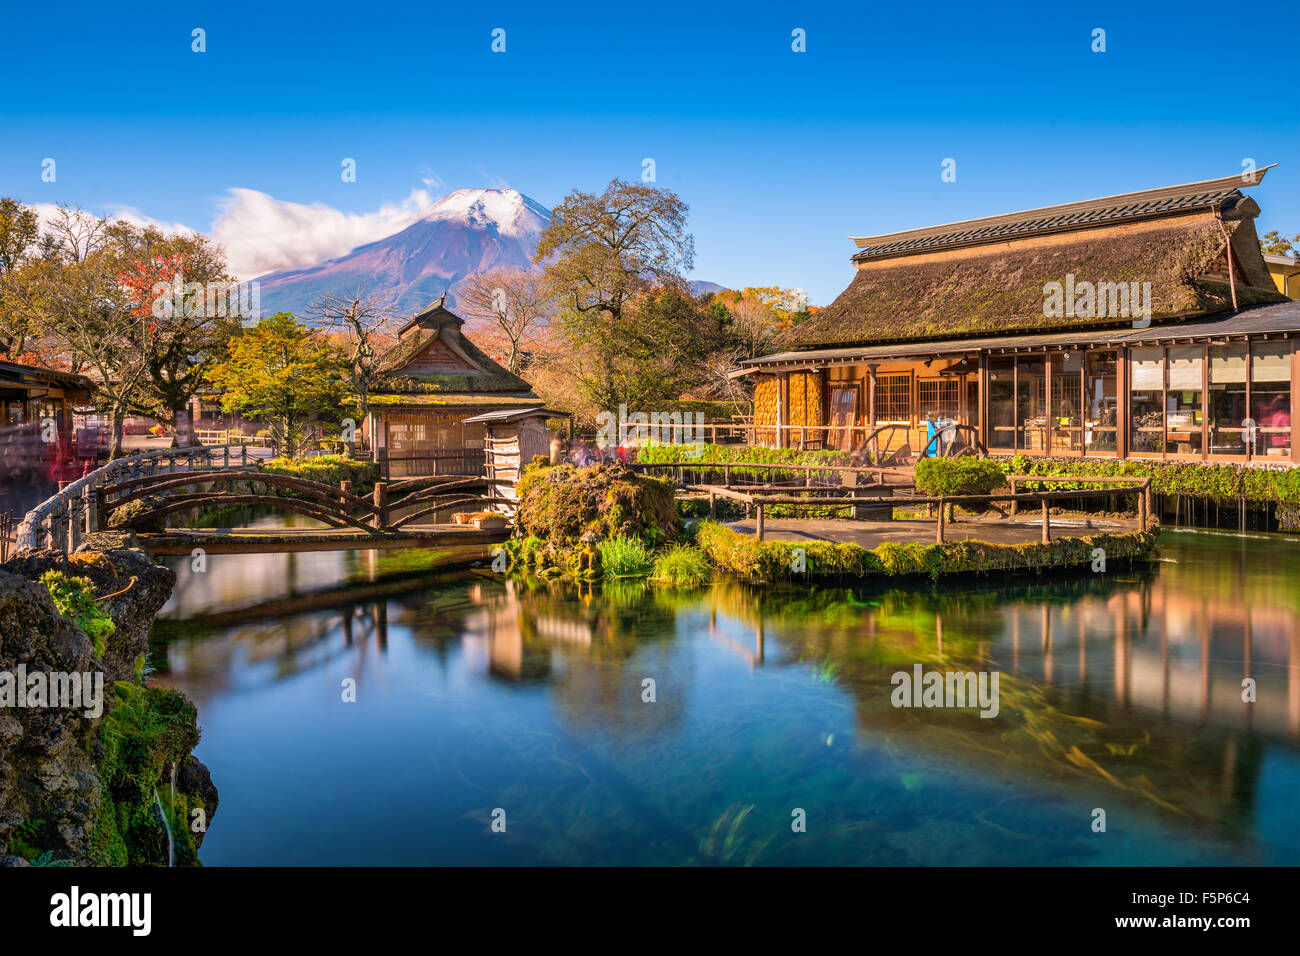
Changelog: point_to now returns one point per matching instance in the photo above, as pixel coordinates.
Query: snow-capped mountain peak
(510, 211)
(463, 233)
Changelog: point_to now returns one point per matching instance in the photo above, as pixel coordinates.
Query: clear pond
(1119, 691)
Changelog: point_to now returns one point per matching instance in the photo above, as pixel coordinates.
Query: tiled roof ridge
(1126, 207)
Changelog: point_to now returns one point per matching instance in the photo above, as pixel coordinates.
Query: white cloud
(264, 234)
(47, 211)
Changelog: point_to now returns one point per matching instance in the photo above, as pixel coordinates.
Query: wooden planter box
(492, 523)
(463, 517)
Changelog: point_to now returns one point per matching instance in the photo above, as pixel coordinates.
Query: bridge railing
(61, 520)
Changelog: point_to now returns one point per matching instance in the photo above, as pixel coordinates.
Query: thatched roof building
(433, 379)
(1025, 326)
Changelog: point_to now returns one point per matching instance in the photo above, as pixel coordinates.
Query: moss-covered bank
(744, 557)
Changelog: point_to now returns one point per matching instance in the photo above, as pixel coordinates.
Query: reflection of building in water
(1182, 655)
(595, 653)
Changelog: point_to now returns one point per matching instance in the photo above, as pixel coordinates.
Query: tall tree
(600, 253)
(1275, 244)
(19, 230)
(367, 324)
(283, 373)
(72, 293)
(188, 308)
(514, 304)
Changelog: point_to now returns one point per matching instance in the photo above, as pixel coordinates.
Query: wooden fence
(757, 499)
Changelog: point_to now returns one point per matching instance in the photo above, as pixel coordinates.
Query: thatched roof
(437, 325)
(999, 288)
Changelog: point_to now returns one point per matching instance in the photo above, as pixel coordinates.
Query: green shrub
(958, 476)
(625, 557)
(560, 505)
(327, 469)
(75, 599)
(682, 566)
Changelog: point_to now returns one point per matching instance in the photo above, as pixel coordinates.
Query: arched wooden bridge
(394, 515)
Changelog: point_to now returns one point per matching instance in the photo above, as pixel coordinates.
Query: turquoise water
(1120, 691)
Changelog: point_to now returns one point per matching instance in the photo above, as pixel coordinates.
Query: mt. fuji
(467, 231)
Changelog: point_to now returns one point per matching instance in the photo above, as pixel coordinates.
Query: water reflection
(1119, 690)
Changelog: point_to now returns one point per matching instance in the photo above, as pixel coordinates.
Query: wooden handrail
(760, 499)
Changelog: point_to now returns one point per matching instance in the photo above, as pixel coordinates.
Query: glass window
(1146, 401)
(940, 397)
(1101, 385)
(1226, 403)
(894, 399)
(1183, 400)
(1002, 403)
(1067, 419)
(1270, 398)
(1031, 404)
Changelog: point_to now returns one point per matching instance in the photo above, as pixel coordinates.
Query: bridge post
(90, 502)
(74, 523)
(938, 528)
(1047, 523)
(346, 487)
(381, 504)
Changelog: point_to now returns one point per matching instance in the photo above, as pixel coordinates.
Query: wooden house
(434, 379)
(1030, 328)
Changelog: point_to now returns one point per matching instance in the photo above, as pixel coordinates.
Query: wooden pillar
(758, 520)
(1047, 523)
(381, 504)
(713, 505)
(870, 416)
(1047, 399)
(1295, 398)
(346, 487)
(938, 527)
(1122, 410)
(982, 414)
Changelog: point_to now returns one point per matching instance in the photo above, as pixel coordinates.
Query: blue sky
(780, 155)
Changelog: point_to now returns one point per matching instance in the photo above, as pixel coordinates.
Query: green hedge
(1226, 482)
(683, 454)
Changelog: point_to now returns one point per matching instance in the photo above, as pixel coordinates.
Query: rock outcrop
(82, 788)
